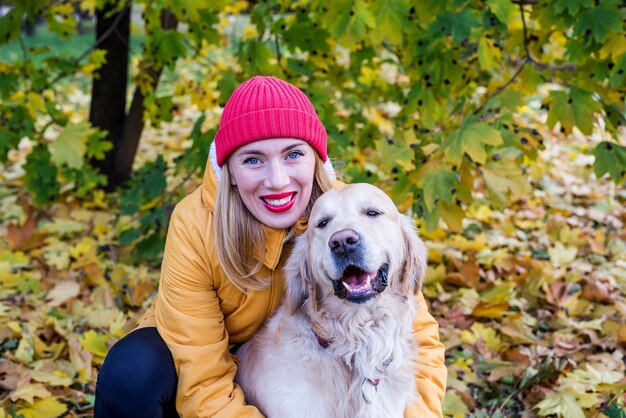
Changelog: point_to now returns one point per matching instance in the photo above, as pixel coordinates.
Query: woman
(221, 275)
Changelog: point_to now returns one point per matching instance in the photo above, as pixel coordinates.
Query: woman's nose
(277, 176)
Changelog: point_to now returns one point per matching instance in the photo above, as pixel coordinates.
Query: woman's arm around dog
(431, 370)
(189, 319)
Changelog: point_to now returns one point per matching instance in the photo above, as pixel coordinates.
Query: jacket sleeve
(431, 370)
(189, 319)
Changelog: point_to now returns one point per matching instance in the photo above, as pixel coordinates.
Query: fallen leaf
(62, 292)
(44, 408)
(19, 237)
(29, 392)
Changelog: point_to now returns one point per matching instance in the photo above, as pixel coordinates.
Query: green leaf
(41, 176)
(458, 25)
(71, 144)
(169, 45)
(97, 145)
(438, 184)
(471, 139)
(572, 6)
(397, 152)
(618, 74)
(600, 20)
(503, 9)
(391, 20)
(583, 108)
(610, 158)
(148, 184)
(361, 19)
(306, 35)
(575, 109)
(615, 411)
(254, 57)
(10, 24)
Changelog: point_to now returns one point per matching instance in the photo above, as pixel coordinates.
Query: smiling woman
(274, 179)
(222, 271)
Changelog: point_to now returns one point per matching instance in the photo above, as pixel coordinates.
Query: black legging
(137, 379)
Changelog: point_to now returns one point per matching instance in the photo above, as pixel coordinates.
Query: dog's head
(356, 247)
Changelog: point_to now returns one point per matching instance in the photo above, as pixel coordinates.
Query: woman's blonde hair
(239, 236)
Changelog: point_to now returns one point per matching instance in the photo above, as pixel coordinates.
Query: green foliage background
(442, 103)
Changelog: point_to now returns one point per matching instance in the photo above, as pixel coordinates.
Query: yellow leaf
(25, 349)
(561, 256)
(88, 6)
(64, 9)
(488, 55)
(54, 378)
(487, 335)
(44, 408)
(453, 405)
(85, 252)
(29, 392)
(42, 350)
(490, 311)
(95, 343)
(34, 103)
(562, 404)
(614, 46)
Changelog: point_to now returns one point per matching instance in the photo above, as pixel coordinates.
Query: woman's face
(274, 178)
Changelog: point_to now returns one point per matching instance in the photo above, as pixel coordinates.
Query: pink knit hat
(264, 108)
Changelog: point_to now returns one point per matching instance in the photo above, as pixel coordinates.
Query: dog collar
(322, 342)
(370, 386)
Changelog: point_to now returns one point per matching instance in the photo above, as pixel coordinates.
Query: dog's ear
(415, 257)
(297, 275)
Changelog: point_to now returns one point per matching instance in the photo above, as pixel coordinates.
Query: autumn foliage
(500, 125)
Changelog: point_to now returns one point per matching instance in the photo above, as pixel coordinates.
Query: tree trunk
(134, 120)
(109, 87)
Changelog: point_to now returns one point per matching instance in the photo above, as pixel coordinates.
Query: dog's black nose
(344, 242)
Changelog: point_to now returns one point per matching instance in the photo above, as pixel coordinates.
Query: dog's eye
(373, 213)
(322, 223)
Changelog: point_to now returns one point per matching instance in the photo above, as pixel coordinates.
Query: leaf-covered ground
(530, 298)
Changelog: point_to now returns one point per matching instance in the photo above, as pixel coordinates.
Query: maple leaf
(610, 158)
(29, 392)
(600, 21)
(471, 139)
(70, 146)
(95, 343)
(561, 403)
(62, 292)
(572, 6)
(44, 408)
(458, 25)
(438, 183)
(503, 9)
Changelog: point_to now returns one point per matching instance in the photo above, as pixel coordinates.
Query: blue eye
(294, 154)
(251, 160)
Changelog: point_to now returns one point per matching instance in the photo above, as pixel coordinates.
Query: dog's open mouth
(359, 286)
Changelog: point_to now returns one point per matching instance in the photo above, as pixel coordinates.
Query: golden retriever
(341, 343)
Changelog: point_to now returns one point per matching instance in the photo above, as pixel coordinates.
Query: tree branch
(503, 87)
(95, 45)
(527, 59)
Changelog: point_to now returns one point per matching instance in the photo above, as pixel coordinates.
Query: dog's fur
(286, 371)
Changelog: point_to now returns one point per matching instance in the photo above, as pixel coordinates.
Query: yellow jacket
(200, 313)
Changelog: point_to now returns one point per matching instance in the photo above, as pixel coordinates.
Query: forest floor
(531, 299)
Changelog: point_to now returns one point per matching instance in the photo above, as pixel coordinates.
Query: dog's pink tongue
(356, 280)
